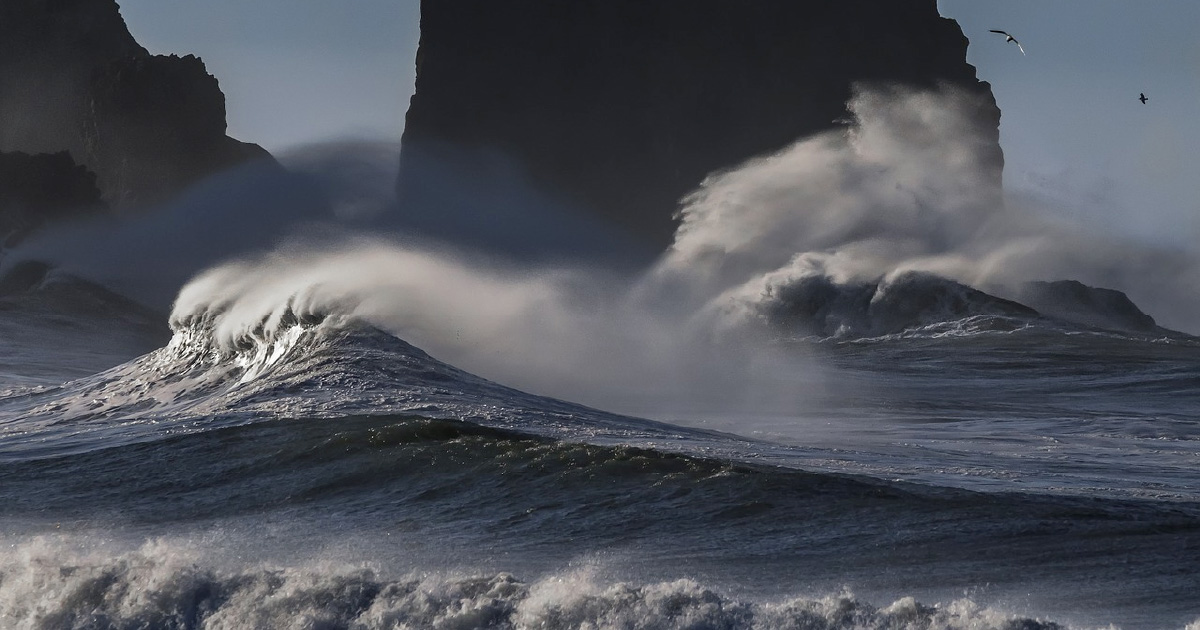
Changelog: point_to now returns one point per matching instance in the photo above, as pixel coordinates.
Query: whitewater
(853, 394)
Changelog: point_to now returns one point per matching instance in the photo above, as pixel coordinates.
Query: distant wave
(55, 327)
(815, 305)
(917, 304)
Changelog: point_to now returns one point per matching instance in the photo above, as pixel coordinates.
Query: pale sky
(294, 71)
(1071, 123)
(298, 71)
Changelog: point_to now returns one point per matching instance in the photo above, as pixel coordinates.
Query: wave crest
(202, 341)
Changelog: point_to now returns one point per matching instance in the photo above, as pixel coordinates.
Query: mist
(149, 256)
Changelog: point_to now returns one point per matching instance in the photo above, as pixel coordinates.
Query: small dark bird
(1010, 38)
(1143, 98)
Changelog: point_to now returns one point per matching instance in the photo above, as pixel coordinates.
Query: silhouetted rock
(816, 305)
(1075, 302)
(73, 79)
(158, 125)
(623, 106)
(40, 189)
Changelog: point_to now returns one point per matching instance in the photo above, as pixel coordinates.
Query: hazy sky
(296, 71)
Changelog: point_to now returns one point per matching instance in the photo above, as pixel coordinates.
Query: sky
(1072, 127)
(294, 71)
(1073, 131)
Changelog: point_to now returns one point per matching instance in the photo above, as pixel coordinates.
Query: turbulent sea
(986, 471)
(854, 393)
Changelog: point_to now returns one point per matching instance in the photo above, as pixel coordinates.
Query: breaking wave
(161, 586)
(293, 362)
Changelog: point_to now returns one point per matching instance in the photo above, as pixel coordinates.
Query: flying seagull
(1143, 98)
(1010, 38)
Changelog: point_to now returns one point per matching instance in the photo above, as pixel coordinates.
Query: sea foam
(47, 583)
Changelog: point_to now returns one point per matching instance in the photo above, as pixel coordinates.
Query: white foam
(53, 582)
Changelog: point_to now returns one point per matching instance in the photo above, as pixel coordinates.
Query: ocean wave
(440, 465)
(301, 363)
(805, 302)
(165, 586)
(293, 363)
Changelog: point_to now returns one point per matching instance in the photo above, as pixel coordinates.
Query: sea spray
(901, 189)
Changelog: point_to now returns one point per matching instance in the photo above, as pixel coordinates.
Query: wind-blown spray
(907, 187)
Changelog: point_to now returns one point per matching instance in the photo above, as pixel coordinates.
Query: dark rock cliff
(40, 189)
(1078, 303)
(73, 79)
(623, 106)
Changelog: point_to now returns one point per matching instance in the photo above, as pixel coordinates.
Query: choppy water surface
(975, 474)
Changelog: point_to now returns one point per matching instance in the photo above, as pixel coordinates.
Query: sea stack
(621, 107)
(73, 79)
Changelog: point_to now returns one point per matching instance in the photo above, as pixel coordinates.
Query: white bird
(1010, 38)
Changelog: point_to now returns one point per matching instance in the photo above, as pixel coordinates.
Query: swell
(416, 460)
(518, 486)
(1075, 377)
(451, 488)
(918, 305)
